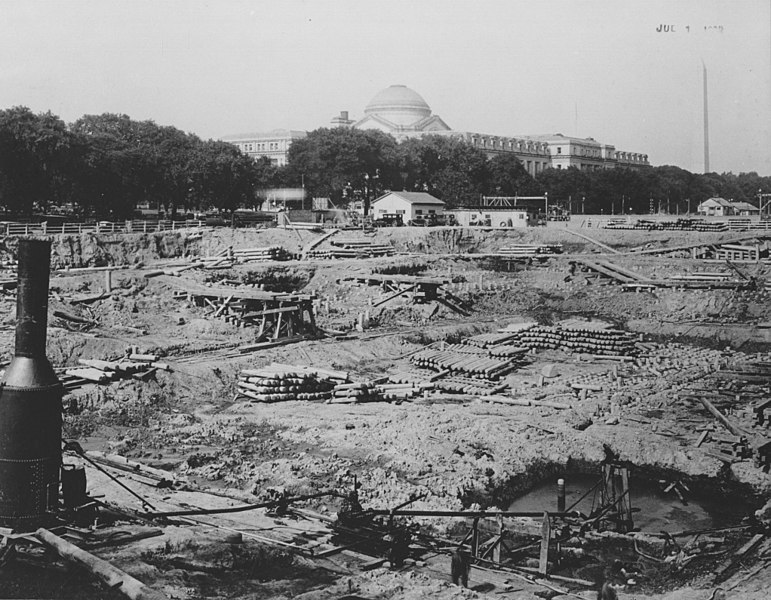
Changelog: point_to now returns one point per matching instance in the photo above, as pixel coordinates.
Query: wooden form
(276, 315)
(631, 280)
(420, 290)
(530, 250)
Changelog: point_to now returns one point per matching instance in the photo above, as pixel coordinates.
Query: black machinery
(30, 403)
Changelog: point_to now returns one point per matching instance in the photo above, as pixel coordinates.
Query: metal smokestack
(30, 402)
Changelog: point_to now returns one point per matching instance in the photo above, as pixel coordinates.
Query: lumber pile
(530, 250)
(592, 340)
(352, 249)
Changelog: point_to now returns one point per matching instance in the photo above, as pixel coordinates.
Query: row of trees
(108, 164)
(335, 162)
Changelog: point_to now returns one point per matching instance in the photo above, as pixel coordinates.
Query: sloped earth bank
(460, 454)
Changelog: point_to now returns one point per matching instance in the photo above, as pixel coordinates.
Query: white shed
(410, 205)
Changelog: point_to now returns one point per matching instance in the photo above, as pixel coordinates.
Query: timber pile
(258, 254)
(353, 249)
(282, 383)
(278, 382)
(530, 250)
(678, 225)
(135, 366)
(600, 341)
(350, 393)
(469, 385)
(471, 365)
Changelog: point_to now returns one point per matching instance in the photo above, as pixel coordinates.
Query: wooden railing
(100, 227)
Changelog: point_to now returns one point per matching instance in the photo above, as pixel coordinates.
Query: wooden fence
(100, 227)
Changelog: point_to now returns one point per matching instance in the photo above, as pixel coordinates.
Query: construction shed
(489, 216)
(410, 205)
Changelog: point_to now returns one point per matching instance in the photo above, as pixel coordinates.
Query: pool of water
(657, 511)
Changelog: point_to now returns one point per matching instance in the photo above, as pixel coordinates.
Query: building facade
(403, 113)
(272, 144)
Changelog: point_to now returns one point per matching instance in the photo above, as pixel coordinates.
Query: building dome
(399, 105)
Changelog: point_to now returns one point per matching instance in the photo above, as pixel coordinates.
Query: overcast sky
(594, 68)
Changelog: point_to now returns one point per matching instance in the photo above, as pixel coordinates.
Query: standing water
(655, 511)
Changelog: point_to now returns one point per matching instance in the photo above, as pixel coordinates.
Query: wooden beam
(109, 574)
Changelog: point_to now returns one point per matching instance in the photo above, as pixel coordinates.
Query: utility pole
(706, 120)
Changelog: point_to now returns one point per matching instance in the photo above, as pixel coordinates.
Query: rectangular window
(431, 212)
(399, 212)
(418, 211)
(559, 150)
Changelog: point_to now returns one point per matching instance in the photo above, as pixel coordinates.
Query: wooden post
(475, 538)
(499, 543)
(543, 560)
(108, 281)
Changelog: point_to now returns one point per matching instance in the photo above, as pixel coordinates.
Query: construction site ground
(459, 451)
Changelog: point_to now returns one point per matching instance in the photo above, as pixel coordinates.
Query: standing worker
(460, 565)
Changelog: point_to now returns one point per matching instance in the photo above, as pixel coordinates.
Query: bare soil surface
(459, 453)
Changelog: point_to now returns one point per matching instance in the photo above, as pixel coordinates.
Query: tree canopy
(105, 165)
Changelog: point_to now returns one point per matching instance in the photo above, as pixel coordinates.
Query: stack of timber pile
(470, 364)
(678, 225)
(470, 385)
(136, 366)
(258, 254)
(598, 340)
(350, 393)
(530, 250)
(279, 383)
(353, 249)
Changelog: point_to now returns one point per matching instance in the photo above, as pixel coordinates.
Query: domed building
(403, 113)
(397, 110)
